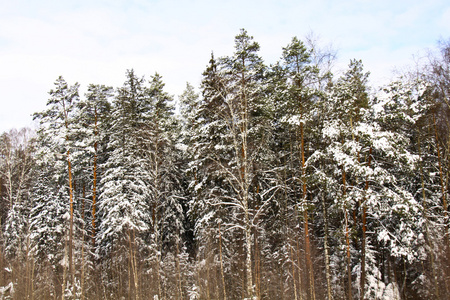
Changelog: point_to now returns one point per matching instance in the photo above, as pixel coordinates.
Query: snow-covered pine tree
(92, 122)
(234, 127)
(49, 224)
(56, 147)
(90, 127)
(124, 211)
(162, 158)
(203, 130)
(297, 109)
(404, 107)
(361, 165)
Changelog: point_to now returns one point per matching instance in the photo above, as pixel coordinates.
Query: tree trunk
(248, 260)
(180, 290)
(69, 166)
(347, 238)
(293, 272)
(94, 183)
(2, 260)
(133, 271)
(82, 244)
(349, 266)
(347, 234)
(363, 242)
(325, 246)
(427, 234)
(300, 281)
(71, 268)
(222, 274)
(305, 217)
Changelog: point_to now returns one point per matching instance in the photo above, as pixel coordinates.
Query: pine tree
(158, 138)
(235, 123)
(55, 134)
(123, 202)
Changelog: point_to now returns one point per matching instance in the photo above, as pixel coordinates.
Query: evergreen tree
(123, 203)
(56, 146)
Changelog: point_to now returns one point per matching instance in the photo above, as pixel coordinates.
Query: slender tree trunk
(94, 183)
(308, 256)
(32, 278)
(257, 268)
(64, 280)
(305, 217)
(133, 264)
(347, 238)
(158, 255)
(82, 245)
(349, 266)
(69, 166)
(325, 245)
(288, 239)
(246, 184)
(293, 272)
(199, 283)
(155, 213)
(248, 260)
(427, 234)
(222, 273)
(71, 268)
(208, 277)
(2, 262)
(363, 242)
(27, 269)
(300, 281)
(347, 234)
(180, 290)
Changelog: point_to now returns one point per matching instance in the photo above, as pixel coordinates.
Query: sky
(96, 41)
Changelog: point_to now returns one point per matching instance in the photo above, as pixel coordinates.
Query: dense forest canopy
(274, 182)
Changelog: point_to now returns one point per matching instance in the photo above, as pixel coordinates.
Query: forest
(282, 181)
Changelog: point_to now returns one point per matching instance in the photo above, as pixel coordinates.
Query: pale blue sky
(96, 41)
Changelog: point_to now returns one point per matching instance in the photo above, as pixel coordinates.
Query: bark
(222, 274)
(347, 238)
(2, 260)
(305, 217)
(248, 260)
(64, 279)
(69, 166)
(155, 213)
(293, 273)
(300, 281)
(325, 246)
(82, 245)
(94, 183)
(363, 242)
(245, 184)
(71, 268)
(180, 290)
(257, 269)
(349, 266)
(133, 272)
(427, 234)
